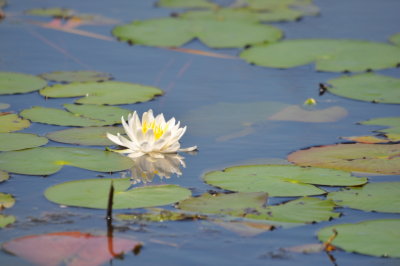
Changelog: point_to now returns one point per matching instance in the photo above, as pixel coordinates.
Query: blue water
(191, 81)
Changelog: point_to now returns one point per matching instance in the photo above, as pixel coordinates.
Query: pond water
(190, 82)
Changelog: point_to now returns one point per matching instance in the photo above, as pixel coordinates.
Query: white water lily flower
(153, 136)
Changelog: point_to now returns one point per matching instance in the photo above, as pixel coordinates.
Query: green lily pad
(235, 204)
(251, 205)
(6, 201)
(280, 180)
(375, 237)
(174, 32)
(367, 139)
(76, 76)
(231, 120)
(19, 141)
(302, 210)
(159, 215)
(392, 122)
(395, 39)
(93, 193)
(107, 92)
(328, 54)
(386, 135)
(12, 83)
(273, 4)
(76, 115)
(6, 220)
(245, 14)
(12, 122)
(4, 176)
(51, 12)
(85, 136)
(49, 160)
(368, 87)
(4, 106)
(380, 197)
(393, 136)
(186, 4)
(357, 157)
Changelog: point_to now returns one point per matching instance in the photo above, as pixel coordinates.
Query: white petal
(160, 119)
(149, 136)
(188, 149)
(127, 143)
(139, 136)
(114, 139)
(148, 116)
(128, 130)
(134, 122)
(172, 148)
(135, 154)
(160, 143)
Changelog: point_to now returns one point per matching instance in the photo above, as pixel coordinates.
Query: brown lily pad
(358, 157)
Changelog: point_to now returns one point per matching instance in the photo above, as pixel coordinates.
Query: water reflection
(146, 168)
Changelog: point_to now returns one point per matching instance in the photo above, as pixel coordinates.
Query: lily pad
(174, 32)
(280, 180)
(159, 215)
(49, 160)
(4, 176)
(186, 4)
(234, 204)
(6, 201)
(368, 87)
(93, 193)
(368, 158)
(85, 136)
(12, 83)
(302, 210)
(107, 92)
(380, 197)
(245, 14)
(6, 220)
(76, 115)
(375, 237)
(251, 205)
(12, 122)
(395, 39)
(392, 122)
(367, 139)
(70, 248)
(19, 141)
(76, 76)
(273, 4)
(328, 54)
(51, 12)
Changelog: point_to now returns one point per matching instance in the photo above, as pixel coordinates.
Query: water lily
(152, 136)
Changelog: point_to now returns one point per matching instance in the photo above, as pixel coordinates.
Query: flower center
(158, 130)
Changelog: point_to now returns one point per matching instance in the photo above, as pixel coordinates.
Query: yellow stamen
(157, 129)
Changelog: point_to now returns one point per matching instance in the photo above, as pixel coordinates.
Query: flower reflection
(146, 167)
